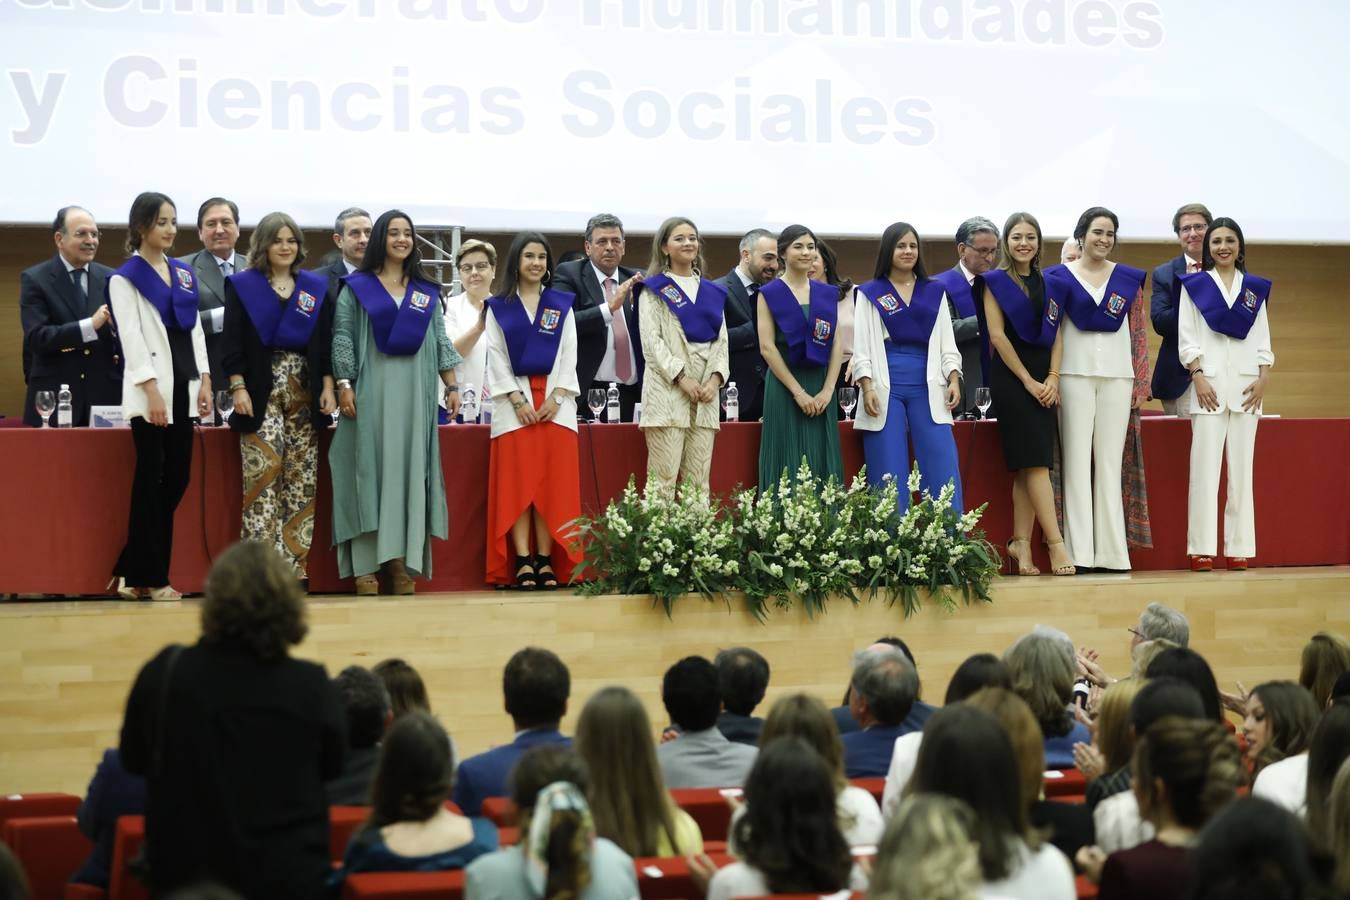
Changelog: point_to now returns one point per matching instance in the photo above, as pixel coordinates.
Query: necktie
(623, 355)
(227, 267)
(77, 276)
(1192, 267)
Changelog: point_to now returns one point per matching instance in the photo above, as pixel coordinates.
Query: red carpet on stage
(66, 494)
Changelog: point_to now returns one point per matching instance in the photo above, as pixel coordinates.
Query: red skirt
(536, 465)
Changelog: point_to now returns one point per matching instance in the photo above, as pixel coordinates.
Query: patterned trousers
(684, 453)
(281, 464)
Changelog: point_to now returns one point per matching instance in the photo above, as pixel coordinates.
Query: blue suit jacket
(918, 714)
(113, 792)
(867, 753)
(1170, 378)
(485, 775)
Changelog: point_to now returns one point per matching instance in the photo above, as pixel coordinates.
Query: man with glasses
(68, 334)
(1170, 378)
(976, 251)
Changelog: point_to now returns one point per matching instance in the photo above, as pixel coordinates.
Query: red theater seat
(33, 806)
(668, 878)
(399, 885)
(1066, 782)
(83, 892)
(342, 823)
(126, 847)
(50, 849)
(874, 786)
(500, 811)
(708, 808)
(1086, 889)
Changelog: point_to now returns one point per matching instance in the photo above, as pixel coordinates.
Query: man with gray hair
(758, 266)
(881, 692)
(351, 234)
(1161, 622)
(976, 252)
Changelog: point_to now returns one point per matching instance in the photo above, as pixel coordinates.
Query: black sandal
(547, 578)
(526, 579)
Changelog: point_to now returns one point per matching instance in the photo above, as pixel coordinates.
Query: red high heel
(1202, 564)
(1237, 564)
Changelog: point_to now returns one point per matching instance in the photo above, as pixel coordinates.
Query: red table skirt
(66, 491)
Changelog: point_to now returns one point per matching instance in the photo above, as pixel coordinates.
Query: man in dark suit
(218, 228)
(918, 712)
(351, 234)
(369, 713)
(976, 251)
(68, 333)
(536, 684)
(1170, 378)
(609, 348)
(881, 693)
(742, 679)
(758, 265)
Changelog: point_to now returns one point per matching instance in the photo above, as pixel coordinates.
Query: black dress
(1029, 430)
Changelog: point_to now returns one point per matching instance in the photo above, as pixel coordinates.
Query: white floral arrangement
(804, 540)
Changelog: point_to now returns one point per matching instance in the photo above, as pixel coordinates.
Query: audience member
(1190, 667)
(701, 756)
(1280, 719)
(1142, 655)
(236, 740)
(369, 713)
(1071, 251)
(1106, 761)
(1338, 830)
(918, 713)
(628, 798)
(1252, 850)
(1043, 669)
(928, 852)
(113, 792)
(407, 692)
(884, 687)
(742, 678)
(758, 265)
(536, 685)
(1326, 756)
(967, 755)
(218, 228)
(68, 334)
(559, 856)
(1325, 658)
(410, 829)
(1286, 781)
(13, 882)
(1161, 622)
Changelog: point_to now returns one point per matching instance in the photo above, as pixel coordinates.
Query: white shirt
(968, 275)
(87, 331)
(859, 819)
(1117, 823)
(1285, 783)
(460, 317)
(1096, 353)
(1228, 363)
(350, 268)
(606, 371)
(1043, 875)
(903, 759)
(743, 880)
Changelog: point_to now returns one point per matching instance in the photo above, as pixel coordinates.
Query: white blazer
(1229, 364)
(561, 379)
(146, 353)
(869, 361)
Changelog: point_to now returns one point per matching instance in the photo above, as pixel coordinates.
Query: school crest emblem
(1249, 299)
(1052, 310)
(889, 303)
(672, 295)
(184, 278)
(420, 300)
(306, 302)
(1114, 304)
(822, 330)
(549, 319)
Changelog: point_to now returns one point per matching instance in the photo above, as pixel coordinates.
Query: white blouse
(1096, 353)
(460, 316)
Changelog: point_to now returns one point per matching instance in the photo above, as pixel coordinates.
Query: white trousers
(1210, 436)
(1094, 414)
(1180, 406)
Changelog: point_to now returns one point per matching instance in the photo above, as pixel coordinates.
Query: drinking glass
(224, 406)
(983, 400)
(848, 399)
(45, 403)
(595, 400)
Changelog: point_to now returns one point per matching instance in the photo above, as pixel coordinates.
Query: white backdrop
(843, 114)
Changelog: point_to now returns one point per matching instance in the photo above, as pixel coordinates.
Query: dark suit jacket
(1170, 378)
(578, 277)
(746, 364)
(485, 775)
(740, 729)
(352, 787)
(113, 792)
(53, 345)
(334, 271)
(867, 753)
(918, 715)
(211, 295)
(242, 352)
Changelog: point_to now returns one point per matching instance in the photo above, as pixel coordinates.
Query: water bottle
(733, 402)
(65, 413)
(468, 403)
(612, 403)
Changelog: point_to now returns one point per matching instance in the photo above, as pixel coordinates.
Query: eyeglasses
(1136, 633)
(474, 267)
(985, 251)
(1188, 229)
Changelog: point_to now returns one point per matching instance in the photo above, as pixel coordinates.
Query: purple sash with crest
(701, 318)
(809, 337)
(958, 289)
(1122, 287)
(1236, 320)
(912, 324)
(175, 303)
(532, 345)
(398, 328)
(1016, 307)
(281, 324)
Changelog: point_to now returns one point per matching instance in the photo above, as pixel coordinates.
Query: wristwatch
(344, 383)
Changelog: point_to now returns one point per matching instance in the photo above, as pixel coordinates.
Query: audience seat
(342, 823)
(1086, 889)
(708, 808)
(508, 837)
(127, 846)
(49, 848)
(874, 786)
(398, 885)
(33, 806)
(1063, 782)
(501, 811)
(83, 892)
(668, 878)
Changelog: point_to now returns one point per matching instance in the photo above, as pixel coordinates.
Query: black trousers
(163, 468)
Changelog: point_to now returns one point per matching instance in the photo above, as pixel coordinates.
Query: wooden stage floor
(66, 667)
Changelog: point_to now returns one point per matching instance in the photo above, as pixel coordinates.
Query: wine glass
(224, 405)
(595, 400)
(45, 403)
(848, 399)
(983, 400)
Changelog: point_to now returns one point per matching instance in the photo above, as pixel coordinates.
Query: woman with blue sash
(534, 487)
(684, 337)
(908, 368)
(1103, 379)
(1019, 325)
(1223, 340)
(166, 382)
(276, 348)
(388, 489)
(797, 322)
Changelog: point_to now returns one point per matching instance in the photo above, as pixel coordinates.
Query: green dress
(388, 489)
(788, 434)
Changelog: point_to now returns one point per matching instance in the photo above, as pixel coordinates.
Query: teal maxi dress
(788, 434)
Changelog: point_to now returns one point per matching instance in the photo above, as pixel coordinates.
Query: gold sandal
(1023, 568)
(1066, 569)
(367, 585)
(400, 582)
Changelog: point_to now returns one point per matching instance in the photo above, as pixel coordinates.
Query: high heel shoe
(543, 570)
(367, 585)
(1063, 568)
(526, 579)
(400, 582)
(1237, 563)
(1024, 564)
(119, 587)
(1202, 564)
(165, 594)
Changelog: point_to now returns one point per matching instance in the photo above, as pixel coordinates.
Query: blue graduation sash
(175, 303)
(532, 345)
(809, 337)
(701, 318)
(398, 328)
(954, 282)
(1087, 314)
(1236, 320)
(282, 324)
(912, 324)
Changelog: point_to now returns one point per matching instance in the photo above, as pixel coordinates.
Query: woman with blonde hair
(927, 852)
(684, 337)
(1106, 761)
(628, 797)
(277, 351)
(1326, 657)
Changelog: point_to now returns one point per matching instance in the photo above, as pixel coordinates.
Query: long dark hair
(1207, 259)
(511, 280)
(790, 830)
(886, 251)
(1190, 667)
(144, 212)
(416, 772)
(1292, 716)
(830, 261)
(376, 252)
